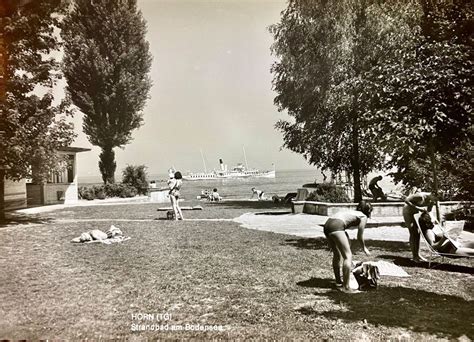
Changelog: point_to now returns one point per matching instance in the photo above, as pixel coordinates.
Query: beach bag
(170, 215)
(367, 276)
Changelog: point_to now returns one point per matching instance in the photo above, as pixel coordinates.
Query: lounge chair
(433, 252)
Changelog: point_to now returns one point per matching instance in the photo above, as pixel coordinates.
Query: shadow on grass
(321, 243)
(322, 283)
(307, 243)
(15, 218)
(391, 246)
(417, 310)
(251, 205)
(449, 267)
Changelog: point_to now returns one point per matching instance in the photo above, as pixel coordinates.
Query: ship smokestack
(222, 164)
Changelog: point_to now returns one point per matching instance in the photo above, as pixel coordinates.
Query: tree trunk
(107, 165)
(356, 162)
(2, 194)
(434, 169)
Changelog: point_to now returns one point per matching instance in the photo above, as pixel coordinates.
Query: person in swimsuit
(215, 197)
(338, 239)
(174, 185)
(419, 202)
(440, 242)
(376, 190)
(260, 194)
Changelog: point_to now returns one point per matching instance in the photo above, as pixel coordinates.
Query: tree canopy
(35, 128)
(106, 65)
(373, 84)
(324, 49)
(421, 105)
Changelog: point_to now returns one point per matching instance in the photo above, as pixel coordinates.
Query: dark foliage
(137, 177)
(327, 192)
(420, 104)
(107, 191)
(34, 127)
(106, 65)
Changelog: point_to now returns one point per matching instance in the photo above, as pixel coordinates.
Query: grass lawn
(255, 284)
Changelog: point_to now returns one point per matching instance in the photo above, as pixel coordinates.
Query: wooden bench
(198, 207)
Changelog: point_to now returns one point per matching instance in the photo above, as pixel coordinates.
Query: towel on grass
(386, 268)
(113, 235)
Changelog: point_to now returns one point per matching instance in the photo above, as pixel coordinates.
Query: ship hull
(229, 175)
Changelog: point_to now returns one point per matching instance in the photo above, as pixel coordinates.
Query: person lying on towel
(440, 241)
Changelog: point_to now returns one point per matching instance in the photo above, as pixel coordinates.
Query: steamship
(238, 171)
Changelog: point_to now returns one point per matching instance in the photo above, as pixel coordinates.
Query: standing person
(376, 190)
(338, 239)
(260, 194)
(419, 202)
(174, 185)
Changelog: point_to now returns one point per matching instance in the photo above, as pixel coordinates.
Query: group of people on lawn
(338, 239)
(336, 225)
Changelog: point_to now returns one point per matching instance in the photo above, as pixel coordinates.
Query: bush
(128, 191)
(136, 177)
(107, 191)
(99, 191)
(113, 190)
(327, 192)
(466, 213)
(86, 193)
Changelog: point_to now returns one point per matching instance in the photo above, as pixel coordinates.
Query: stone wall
(60, 193)
(52, 194)
(15, 194)
(158, 195)
(382, 209)
(35, 194)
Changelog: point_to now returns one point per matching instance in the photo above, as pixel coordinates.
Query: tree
(137, 177)
(324, 49)
(421, 103)
(106, 65)
(33, 127)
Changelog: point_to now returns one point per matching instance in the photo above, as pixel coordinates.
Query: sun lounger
(433, 253)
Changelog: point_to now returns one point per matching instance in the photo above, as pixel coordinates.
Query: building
(61, 187)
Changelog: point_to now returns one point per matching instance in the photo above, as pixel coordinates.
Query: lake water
(284, 182)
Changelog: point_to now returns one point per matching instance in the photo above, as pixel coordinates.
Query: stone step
(385, 221)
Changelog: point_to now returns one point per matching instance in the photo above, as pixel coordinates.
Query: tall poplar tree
(106, 64)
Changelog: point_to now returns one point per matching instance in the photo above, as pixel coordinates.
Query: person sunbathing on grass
(440, 241)
(338, 239)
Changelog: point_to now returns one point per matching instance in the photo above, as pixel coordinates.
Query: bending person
(376, 190)
(260, 194)
(338, 239)
(174, 185)
(419, 202)
(440, 242)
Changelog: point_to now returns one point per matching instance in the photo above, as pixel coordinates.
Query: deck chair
(433, 253)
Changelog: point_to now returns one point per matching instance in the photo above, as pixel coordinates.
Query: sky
(211, 91)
